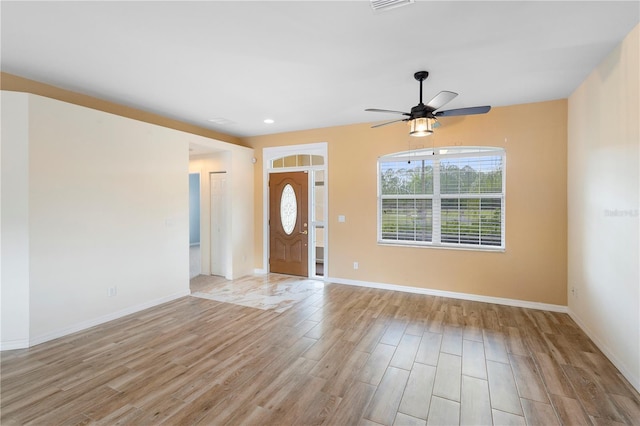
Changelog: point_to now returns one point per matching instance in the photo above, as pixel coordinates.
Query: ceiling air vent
(221, 121)
(381, 5)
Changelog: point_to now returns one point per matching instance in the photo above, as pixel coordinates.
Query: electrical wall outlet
(355, 265)
(112, 291)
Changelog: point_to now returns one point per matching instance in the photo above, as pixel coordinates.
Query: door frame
(272, 153)
(198, 261)
(198, 197)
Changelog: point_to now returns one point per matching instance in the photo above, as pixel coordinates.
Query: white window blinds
(447, 197)
(407, 200)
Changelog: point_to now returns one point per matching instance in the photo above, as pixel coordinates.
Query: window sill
(443, 247)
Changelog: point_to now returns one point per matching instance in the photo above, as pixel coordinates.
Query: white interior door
(218, 224)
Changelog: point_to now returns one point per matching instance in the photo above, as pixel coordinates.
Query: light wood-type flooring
(343, 356)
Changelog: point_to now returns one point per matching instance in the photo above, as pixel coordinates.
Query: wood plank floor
(343, 356)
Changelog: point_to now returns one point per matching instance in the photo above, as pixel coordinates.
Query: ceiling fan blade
(388, 122)
(442, 98)
(387, 110)
(463, 111)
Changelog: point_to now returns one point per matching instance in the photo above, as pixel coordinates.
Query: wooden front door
(289, 223)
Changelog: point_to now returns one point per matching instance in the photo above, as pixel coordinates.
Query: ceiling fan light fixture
(420, 127)
(423, 118)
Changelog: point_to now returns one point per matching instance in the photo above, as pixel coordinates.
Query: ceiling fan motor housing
(421, 111)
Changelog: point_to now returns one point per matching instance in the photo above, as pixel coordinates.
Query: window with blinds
(447, 197)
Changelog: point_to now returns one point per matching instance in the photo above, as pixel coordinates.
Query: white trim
(436, 156)
(453, 295)
(105, 318)
(426, 153)
(635, 381)
(271, 153)
(436, 205)
(445, 246)
(14, 344)
(260, 271)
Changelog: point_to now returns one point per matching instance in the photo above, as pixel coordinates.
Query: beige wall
(533, 267)
(204, 165)
(92, 201)
(14, 221)
(107, 206)
(10, 82)
(603, 191)
(236, 162)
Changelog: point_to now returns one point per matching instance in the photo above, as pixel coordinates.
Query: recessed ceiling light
(269, 121)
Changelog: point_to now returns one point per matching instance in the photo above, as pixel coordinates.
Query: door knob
(305, 232)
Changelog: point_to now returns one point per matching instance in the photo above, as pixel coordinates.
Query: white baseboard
(260, 271)
(452, 294)
(105, 318)
(14, 344)
(634, 380)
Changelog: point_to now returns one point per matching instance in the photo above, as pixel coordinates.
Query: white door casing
(268, 155)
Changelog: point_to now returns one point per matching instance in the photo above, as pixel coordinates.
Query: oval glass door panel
(288, 209)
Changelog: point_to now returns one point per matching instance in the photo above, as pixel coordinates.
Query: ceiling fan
(423, 117)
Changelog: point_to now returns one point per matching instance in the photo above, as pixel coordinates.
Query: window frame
(436, 155)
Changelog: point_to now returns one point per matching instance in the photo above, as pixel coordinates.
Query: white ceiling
(308, 64)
